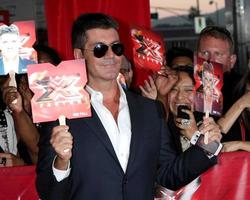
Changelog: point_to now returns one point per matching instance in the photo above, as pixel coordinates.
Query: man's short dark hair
(89, 21)
(217, 32)
(176, 52)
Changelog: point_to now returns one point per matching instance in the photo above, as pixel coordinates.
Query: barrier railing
(228, 180)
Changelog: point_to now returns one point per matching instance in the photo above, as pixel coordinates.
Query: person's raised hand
(149, 89)
(210, 128)
(165, 80)
(62, 142)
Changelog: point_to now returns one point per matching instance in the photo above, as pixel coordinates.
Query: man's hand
(62, 142)
(210, 128)
(10, 160)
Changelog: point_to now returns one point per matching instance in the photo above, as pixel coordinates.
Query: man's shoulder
(139, 102)
(133, 96)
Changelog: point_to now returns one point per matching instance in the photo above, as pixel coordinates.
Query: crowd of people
(132, 142)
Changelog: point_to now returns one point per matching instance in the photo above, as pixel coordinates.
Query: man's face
(9, 45)
(107, 67)
(217, 50)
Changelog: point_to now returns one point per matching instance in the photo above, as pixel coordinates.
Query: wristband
(195, 137)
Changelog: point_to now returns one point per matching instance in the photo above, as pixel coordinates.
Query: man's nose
(110, 53)
(212, 57)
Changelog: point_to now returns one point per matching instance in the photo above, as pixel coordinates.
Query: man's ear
(78, 54)
(233, 59)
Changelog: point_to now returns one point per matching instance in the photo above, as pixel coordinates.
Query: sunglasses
(101, 49)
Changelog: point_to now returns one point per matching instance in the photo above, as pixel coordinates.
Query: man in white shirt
(124, 147)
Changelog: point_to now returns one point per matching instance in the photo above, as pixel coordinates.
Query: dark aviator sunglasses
(101, 49)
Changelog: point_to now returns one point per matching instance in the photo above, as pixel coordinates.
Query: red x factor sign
(148, 50)
(58, 90)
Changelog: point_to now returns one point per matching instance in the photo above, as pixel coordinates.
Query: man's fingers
(60, 138)
(206, 137)
(215, 135)
(64, 148)
(62, 128)
(62, 141)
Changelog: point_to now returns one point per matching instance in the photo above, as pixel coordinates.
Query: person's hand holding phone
(213, 147)
(185, 121)
(209, 125)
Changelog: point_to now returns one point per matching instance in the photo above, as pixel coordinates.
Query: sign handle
(62, 121)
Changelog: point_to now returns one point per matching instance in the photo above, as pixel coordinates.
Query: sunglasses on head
(101, 49)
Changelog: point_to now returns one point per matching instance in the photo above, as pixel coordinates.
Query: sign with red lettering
(59, 90)
(208, 83)
(148, 50)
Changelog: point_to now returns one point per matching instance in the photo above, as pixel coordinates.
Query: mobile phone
(181, 114)
(213, 147)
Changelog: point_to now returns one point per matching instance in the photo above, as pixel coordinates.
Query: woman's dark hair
(188, 69)
(238, 92)
(50, 52)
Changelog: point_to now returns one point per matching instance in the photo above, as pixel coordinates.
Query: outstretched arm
(226, 121)
(236, 146)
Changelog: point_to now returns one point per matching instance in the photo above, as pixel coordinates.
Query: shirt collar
(98, 96)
